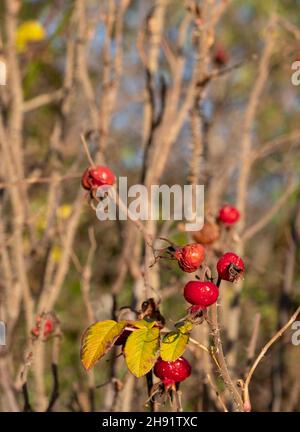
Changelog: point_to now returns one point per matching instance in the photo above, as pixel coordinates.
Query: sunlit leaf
(98, 340)
(64, 211)
(29, 31)
(174, 343)
(143, 324)
(184, 326)
(56, 253)
(141, 350)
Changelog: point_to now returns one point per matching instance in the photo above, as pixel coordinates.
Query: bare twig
(253, 340)
(263, 221)
(215, 329)
(42, 100)
(220, 399)
(246, 396)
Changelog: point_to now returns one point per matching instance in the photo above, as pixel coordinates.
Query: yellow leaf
(98, 339)
(173, 345)
(143, 324)
(184, 327)
(29, 31)
(64, 211)
(141, 350)
(56, 253)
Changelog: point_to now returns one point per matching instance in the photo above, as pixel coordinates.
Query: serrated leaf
(141, 350)
(98, 340)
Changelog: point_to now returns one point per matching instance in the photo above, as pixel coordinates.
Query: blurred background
(164, 92)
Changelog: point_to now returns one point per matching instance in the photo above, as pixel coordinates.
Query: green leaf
(98, 340)
(141, 350)
(174, 343)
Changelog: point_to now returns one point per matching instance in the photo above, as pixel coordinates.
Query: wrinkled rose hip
(96, 176)
(190, 257)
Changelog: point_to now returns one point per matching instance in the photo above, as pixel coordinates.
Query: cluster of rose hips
(200, 294)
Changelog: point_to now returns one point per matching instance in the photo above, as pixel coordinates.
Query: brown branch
(40, 180)
(253, 340)
(42, 100)
(49, 294)
(246, 142)
(277, 144)
(55, 390)
(216, 391)
(215, 329)
(246, 396)
(27, 406)
(265, 219)
(245, 166)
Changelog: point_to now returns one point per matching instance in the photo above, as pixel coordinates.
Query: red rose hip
(48, 327)
(96, 176)
(229, 215)
(171, 372)
(221, 56)
(201, 293)
(230, 267)
(190, 257)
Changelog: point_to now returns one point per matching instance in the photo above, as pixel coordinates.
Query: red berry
(35, 331)
(85, 180)
(171, 372)
(48, 327)
(230, 267)
(229, 215)
(190, 257)
(221, 56)
(96, 176)
(201, 293)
